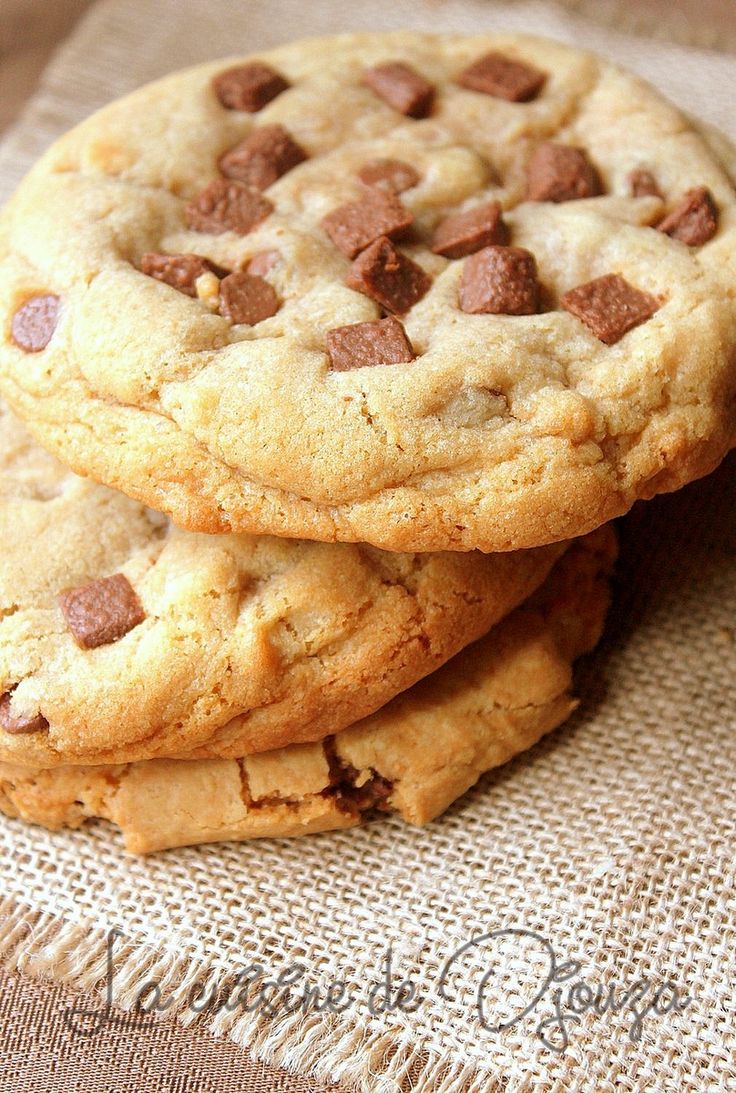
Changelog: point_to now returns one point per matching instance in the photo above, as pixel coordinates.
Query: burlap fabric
(611, 843)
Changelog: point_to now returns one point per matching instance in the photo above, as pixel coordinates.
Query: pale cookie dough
(234, 402)
(123, 637)
(414, 756)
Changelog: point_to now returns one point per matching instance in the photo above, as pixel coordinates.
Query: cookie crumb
(207, 289)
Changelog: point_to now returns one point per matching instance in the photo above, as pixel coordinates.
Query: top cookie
(428, 293)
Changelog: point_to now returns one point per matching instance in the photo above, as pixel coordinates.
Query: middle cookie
(124, 638)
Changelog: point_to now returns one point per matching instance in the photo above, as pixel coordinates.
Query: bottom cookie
(414, 757)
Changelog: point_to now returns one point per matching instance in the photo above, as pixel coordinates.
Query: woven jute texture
(607, 850)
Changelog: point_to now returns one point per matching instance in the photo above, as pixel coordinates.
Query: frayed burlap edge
(44, 945)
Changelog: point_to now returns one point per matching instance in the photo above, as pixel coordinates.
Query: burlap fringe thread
(39, 944)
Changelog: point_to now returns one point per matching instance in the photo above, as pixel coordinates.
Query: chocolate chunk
(362, 345)
(373, 793)
(355, 226)
(391, 175)
(610, 306)
(180, 271)
(497, 75)
(34, 323)
(267, 154)
(263, 262)
(401, 87)
(695, 220)
(245, 298)
(249, 87)
(559, 172)
(642, 183)
(460, 234)
(102, 611)
(18, 724)
(500, 281)
(388, 276)
(227, 206)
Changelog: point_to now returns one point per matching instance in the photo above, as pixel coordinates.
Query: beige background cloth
(41, 1054)
(613, 840)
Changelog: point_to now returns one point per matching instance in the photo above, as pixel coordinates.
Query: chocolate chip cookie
(430, 293)
(123, 637)
(413, 757)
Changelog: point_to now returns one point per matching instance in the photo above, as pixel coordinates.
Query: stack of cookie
(359, 345)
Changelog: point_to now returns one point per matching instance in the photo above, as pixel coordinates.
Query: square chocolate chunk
(362, 345)
(249, 87)
(500, 76)
(102, 611)
(500, 281)
(388, 276)
(227, 206)
(247, 298)
(559, 172)
(33, 324)
(695, 220)
(609, 306)
(401, 87)
(263, 157)
(180, 271)
(463, 233)
(18, 724)
(354, 226)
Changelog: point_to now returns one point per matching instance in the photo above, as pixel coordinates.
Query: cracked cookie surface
(248, 191)
(413, 757)
(123, 637)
